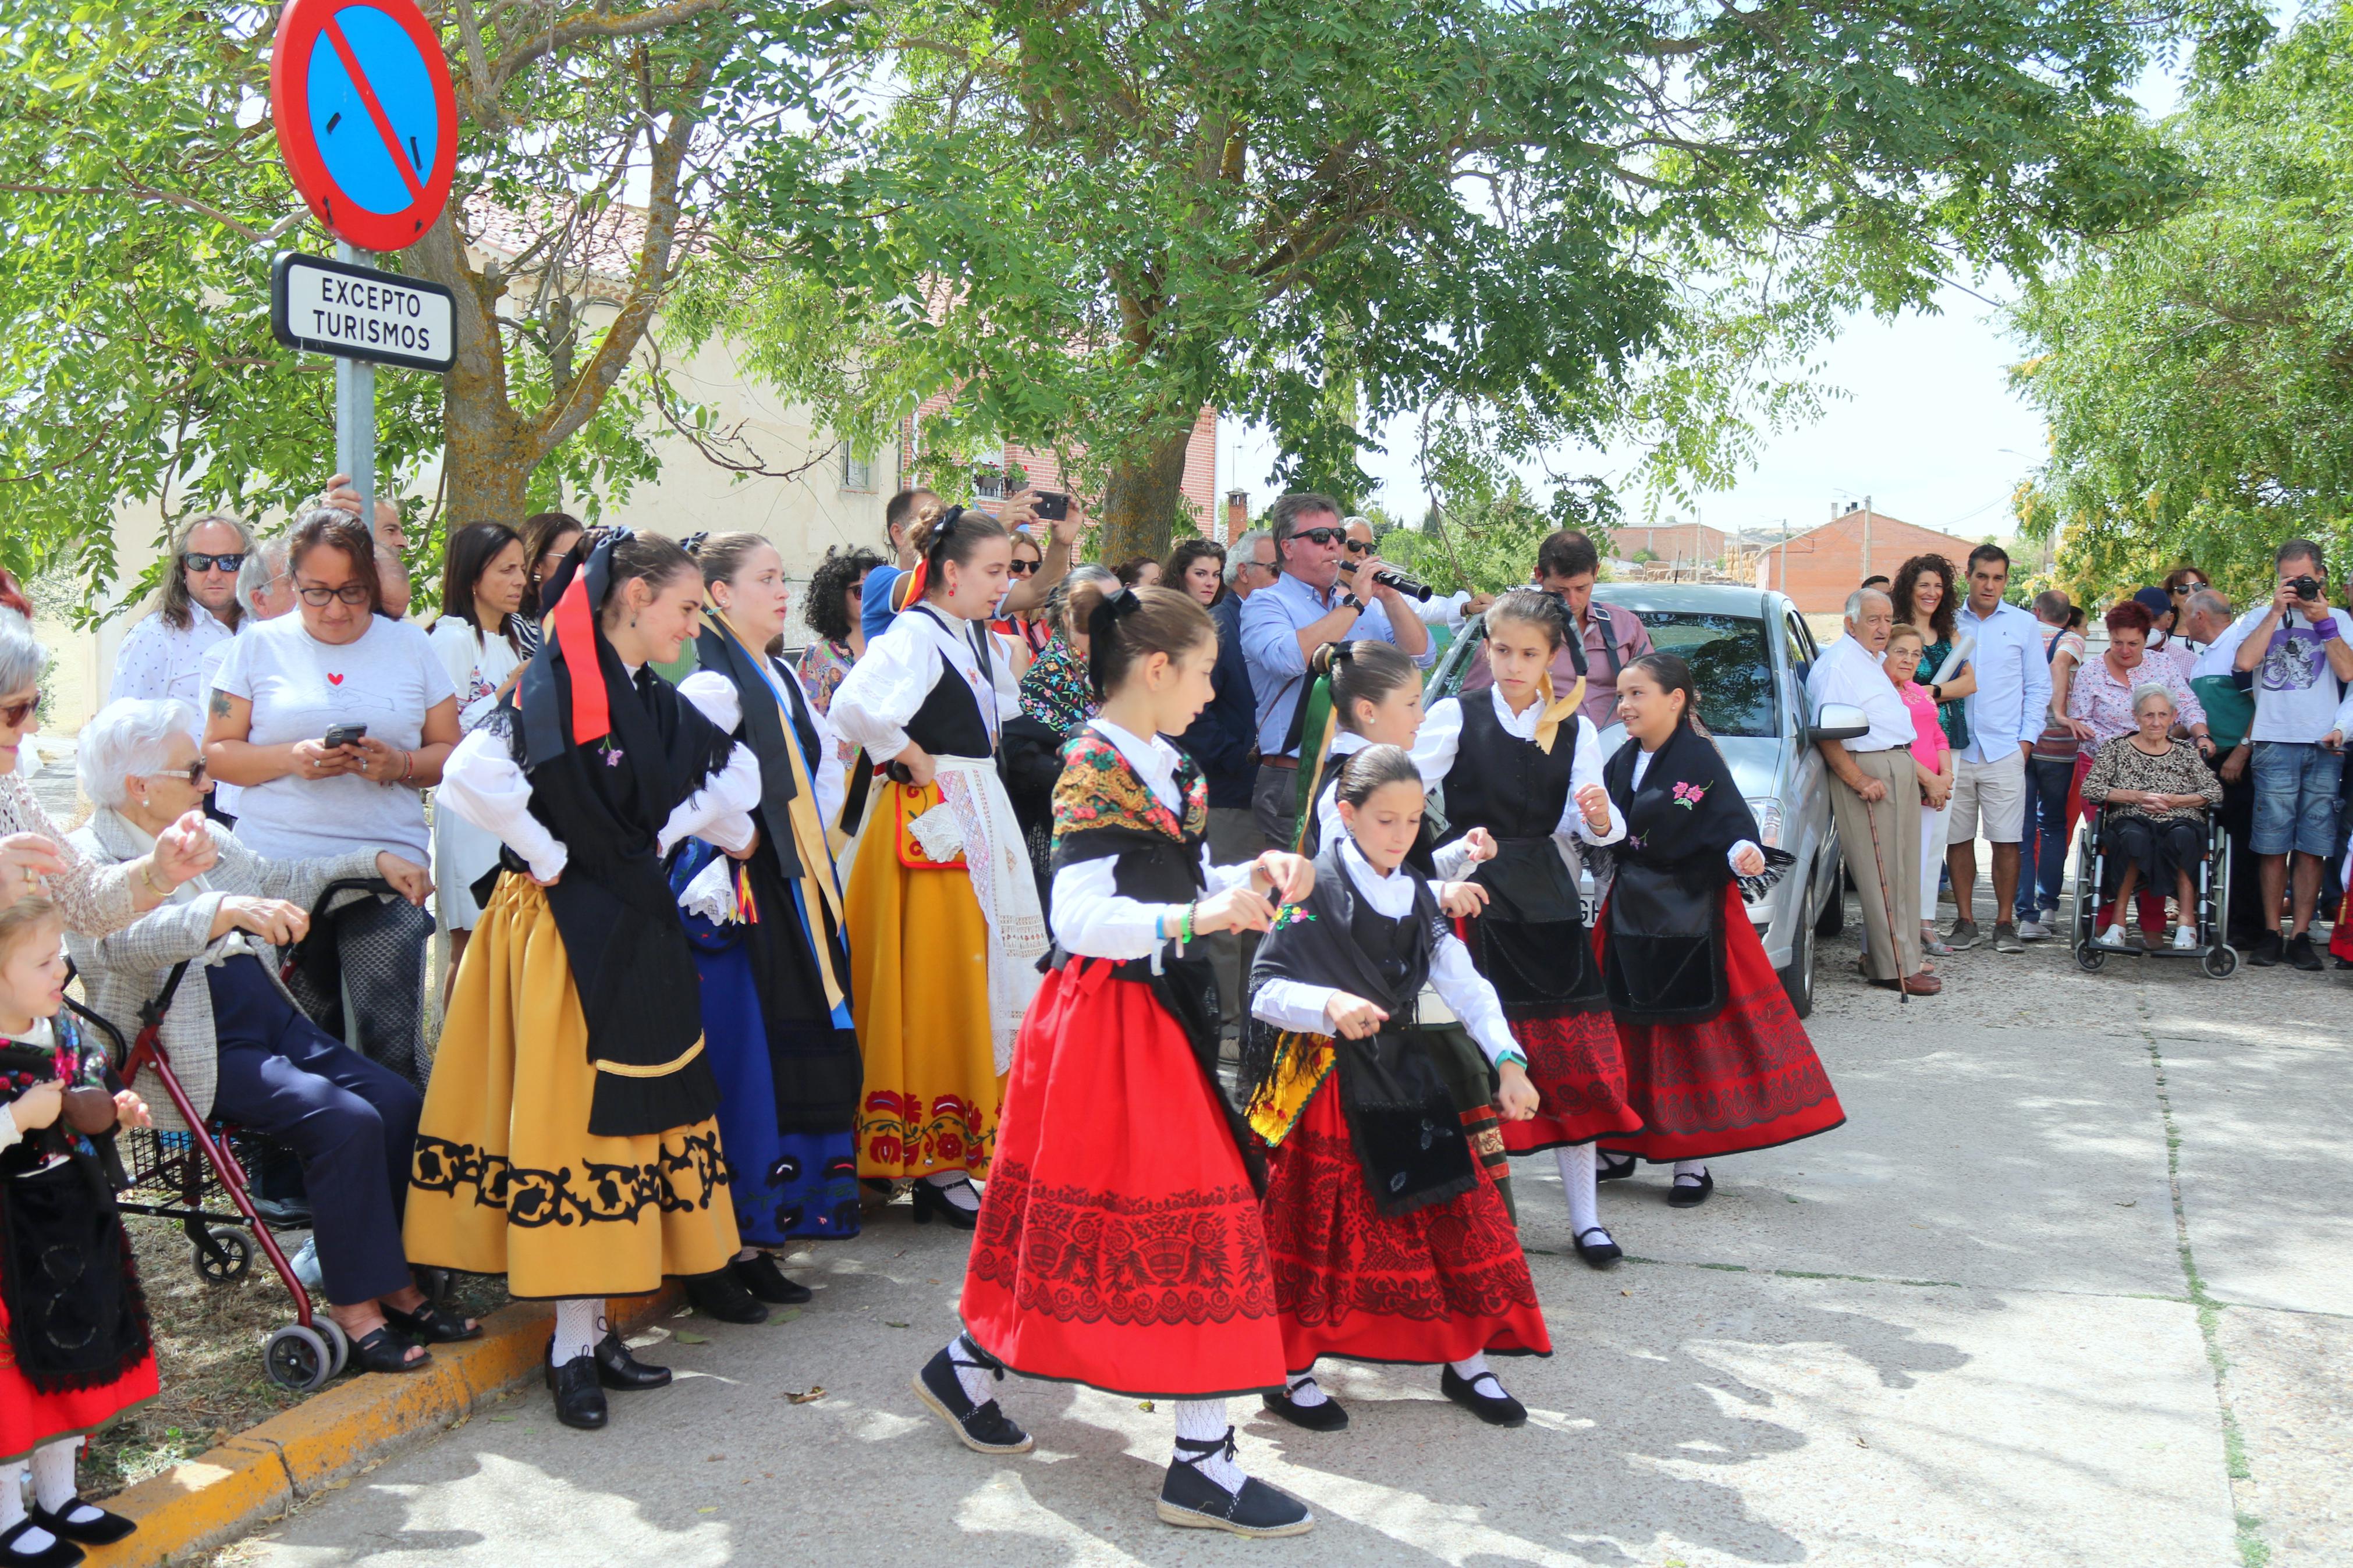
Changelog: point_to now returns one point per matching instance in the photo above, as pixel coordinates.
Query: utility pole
(1866, 536)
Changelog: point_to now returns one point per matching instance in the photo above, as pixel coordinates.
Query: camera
(2307, 588)
(1410, 587)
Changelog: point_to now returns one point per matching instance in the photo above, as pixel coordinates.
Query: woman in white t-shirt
(479, 640)
(336, 664)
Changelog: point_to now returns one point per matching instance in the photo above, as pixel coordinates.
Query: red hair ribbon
(575, 634)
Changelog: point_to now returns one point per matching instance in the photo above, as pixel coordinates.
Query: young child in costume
(1520, 762)
(1120, 1243)
(1716, 1061)
(1390, 1240)
(75, 1351)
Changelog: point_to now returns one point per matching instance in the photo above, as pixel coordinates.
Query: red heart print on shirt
(334, 680)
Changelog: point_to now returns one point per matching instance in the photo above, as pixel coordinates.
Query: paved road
(2073, 1285)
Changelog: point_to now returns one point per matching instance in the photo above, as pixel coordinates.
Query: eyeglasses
(1021, 568)
(1359, 547)
(195, 773)
(15, 714)
(199, 562)
(350, 593)
(2183, 590)
(1321, 535)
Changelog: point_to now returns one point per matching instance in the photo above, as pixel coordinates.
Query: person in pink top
(1932, 753)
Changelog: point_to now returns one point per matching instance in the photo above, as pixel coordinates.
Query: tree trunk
(1141, 498)
(488, 453)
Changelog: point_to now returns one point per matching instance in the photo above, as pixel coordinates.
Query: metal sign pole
(356, 413)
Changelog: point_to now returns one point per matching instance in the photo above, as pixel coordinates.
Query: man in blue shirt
(1283, 624)
(2006, 712)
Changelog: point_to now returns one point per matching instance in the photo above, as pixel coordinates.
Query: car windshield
(1729, 663)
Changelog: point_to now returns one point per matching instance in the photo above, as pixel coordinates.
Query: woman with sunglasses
(1030, 628)
(197, 609)
(36, 860)
(334, 721)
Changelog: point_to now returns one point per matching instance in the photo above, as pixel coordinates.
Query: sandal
(430, 1325)
(380, 1350)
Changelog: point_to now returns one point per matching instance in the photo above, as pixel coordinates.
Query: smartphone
(1051, 505)
(344, 735)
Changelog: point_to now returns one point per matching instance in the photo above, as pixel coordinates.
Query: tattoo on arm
(220, 703)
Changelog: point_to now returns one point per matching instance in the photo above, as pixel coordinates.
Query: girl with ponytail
(941, 906)
(1119, 1152)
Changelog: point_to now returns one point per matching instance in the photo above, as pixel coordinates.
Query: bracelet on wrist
(147, 875)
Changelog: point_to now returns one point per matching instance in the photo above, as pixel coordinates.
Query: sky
(1921, 420)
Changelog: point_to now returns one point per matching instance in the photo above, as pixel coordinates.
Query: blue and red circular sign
(366, 116)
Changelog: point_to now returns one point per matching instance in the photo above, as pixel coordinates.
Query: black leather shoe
(983, 1429)
(719, 1294)
(1496, 1409)
(2300, 954)
(1192, 1500)
(57, 1553)
(1328, 1416)
(1691, 1194)
(617, 1368)
(931, 1199)
(759, 1275)
(284, 1214)
(1611, 1167)
(579, 1401)
(104, 1530)
(1601, 1254)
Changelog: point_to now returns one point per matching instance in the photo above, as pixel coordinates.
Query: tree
(2198, 379)
(142, 197)
(1536, 221)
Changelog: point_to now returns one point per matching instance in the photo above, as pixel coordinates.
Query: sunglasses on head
(1321, 535)
(16, 714)
(226, 562)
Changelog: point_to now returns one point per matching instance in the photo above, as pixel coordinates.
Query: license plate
(1592, 909)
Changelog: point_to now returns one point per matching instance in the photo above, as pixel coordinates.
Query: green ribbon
(1314, 746)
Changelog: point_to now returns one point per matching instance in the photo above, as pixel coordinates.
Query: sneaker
(2114, 937)
(2032, 930)
(2185, 939)
(983, 1429)
(1192, 1500)
(1964, 935)
(2266, 951)
(2005, 938)
(2300, 953)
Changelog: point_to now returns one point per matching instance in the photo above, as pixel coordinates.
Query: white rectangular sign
(357, 312)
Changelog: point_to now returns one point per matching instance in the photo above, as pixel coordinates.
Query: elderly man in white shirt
(1876, 795)
(162, 660)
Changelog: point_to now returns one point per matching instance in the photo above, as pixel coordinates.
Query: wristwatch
(1350, 602)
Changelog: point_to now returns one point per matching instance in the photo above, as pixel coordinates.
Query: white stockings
(579, 1325)
(1204, 1421)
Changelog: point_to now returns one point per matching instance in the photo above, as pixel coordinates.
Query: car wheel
(1798, 979)
(1832, 918)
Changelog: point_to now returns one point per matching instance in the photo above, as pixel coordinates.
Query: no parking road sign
(366, 116)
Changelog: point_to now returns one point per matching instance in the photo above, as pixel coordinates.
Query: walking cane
(1895, 942)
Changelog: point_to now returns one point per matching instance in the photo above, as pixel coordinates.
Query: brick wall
(1820, 567)
(1685, 541)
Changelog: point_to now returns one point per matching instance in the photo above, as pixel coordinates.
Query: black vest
(1511, 787)
(949, 723)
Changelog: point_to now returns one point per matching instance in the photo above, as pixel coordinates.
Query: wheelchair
(2211, 884)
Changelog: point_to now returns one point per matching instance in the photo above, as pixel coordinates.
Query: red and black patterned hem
(1576, 1062)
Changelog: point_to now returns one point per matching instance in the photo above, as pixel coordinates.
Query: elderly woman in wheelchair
(243, 1051)
(2158, 791)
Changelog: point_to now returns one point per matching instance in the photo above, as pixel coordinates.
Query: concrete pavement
(2070, 1286)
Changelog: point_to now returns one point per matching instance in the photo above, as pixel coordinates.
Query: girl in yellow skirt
(944, 927)
(567, 1140)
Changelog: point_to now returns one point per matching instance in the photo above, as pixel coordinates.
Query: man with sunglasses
(1284, 624)
(197, 610)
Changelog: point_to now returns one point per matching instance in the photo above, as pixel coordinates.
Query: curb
(258, 1475)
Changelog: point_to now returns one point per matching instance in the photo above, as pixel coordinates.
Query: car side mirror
(1839, 721)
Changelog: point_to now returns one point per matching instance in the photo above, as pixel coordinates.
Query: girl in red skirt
(1390, 1243)
(1520, 762)
(1119, 1243)
(1716, 1061)
(89, 1357)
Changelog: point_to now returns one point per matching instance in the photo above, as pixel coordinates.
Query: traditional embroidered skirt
(29, 1418)
(508, 1179)
(1120, 1244)
(1439, 1284)
(1571, 1046)
(919, 985)
(1746, 1078)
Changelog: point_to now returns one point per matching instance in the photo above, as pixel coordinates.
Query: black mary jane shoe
(931, 1199)
(719, 1294)
(617, 1368)
(1192, 1500)
(1600, 1254)
(58, 1553)
(579, 1393)
(104, 1530)
(1691, 1194)
(432, 1325)
(385, 1349)
(759, 1275)
(1328, 1416)
(1496, 1409)
(1611, 1167)
(983, 1429)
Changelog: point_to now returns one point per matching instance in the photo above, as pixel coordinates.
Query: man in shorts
(2006, 712)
